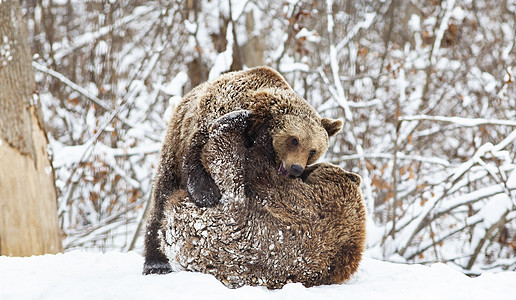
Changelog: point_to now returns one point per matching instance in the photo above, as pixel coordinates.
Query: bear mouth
(282, 170)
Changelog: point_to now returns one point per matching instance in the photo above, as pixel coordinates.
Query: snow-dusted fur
(268, 230)
(264, 92)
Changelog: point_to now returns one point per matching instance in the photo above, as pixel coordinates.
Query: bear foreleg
(200, 185)
(227, 135)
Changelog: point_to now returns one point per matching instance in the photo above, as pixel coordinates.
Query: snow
(5, 51)
(114, 275)
(291, 67)
(310, 36)
(237, 8)
(494, 209)
(224, 59)
(175, 86)
(442, 28)
(415, 22)
(511, 181)
(190, 26)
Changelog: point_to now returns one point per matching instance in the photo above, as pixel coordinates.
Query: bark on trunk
(28, 207)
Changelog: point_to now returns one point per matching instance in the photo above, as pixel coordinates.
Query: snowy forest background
(426, 90)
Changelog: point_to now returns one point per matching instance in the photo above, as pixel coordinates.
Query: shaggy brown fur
(269, 230)
(299, 134)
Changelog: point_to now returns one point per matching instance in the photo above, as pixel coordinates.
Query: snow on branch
(466, 122)
(70, 155)
(442, 28)
(225, 59)
(343, 102)
(364, 24)
(87, 94)
(71, 84)
(429, 214)
(86, 38)
(431, 160)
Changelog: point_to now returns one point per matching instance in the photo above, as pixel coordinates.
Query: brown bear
(299, 137)
(269, 230)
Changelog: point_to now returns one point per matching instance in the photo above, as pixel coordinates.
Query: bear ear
(331, 126)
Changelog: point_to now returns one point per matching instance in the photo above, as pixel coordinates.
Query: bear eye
(312, 153)
(294, 141)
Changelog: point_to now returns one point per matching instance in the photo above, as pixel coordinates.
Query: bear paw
(157, 267)
(203, 190)
(233, 121)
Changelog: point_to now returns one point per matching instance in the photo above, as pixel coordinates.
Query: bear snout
(296, 170)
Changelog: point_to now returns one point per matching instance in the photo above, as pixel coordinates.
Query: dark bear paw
(203, 190)
(233, 121)
(157, 267)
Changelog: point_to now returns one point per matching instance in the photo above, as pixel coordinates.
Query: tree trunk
(28, 207)
(252, 51)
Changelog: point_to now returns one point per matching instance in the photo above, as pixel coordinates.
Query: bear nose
(296, 170)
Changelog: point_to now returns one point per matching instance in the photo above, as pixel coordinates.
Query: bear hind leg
(165, 183)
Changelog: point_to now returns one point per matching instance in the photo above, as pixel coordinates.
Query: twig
(454, 177)
(400, 155)
(101, 226)
(466, 122)
(86, 94)
(481, 243)
(141, 220)
(86, 38)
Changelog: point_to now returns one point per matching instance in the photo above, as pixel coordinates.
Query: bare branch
(466, 122)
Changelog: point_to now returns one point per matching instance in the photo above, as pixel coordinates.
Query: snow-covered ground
(86, 275)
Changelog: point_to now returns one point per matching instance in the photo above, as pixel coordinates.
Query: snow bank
(83, 275)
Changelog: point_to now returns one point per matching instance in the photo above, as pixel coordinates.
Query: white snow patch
(490, 82)
(310, 36)
(48, 170)
(102, 48)
(415, 22)
(83, 275)
(175, 87)
(458, 14)
(291, 67)
(237, 8)
(5, 51)
(225, 59)
(190, 26)
(511, 181)
(494, 209)
(173, 102)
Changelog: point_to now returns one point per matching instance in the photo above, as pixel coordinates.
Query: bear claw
(159, 268)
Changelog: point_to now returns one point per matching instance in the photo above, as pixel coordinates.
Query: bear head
(299, 135)
(299, 142)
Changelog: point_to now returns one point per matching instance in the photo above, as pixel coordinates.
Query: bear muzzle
(295, 170)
